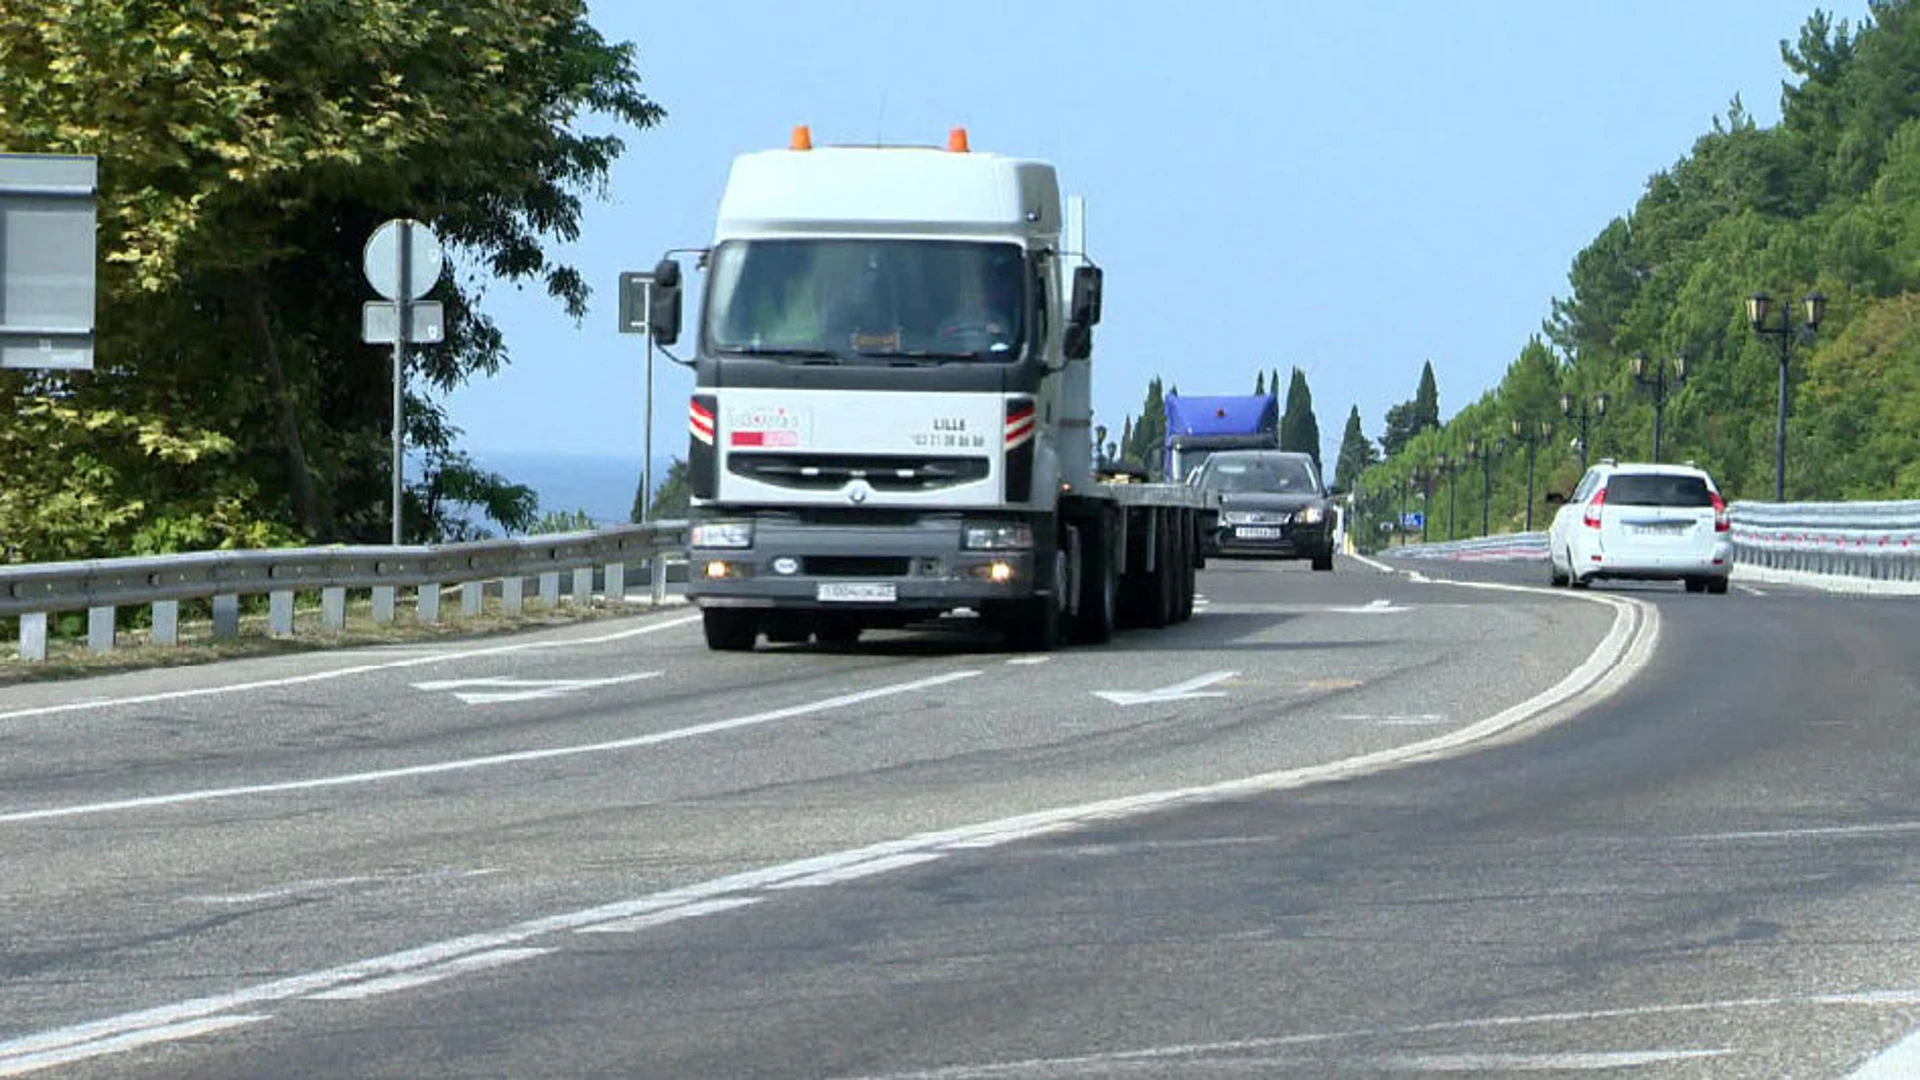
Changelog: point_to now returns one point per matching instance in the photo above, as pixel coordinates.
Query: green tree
(1150, 434)
(248, 147)
(1259, 383)
(671, 499)
(1356, 453)
(1299, 431)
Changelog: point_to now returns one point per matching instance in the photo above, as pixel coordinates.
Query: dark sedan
(1271, 505)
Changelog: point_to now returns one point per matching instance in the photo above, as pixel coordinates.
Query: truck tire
(1099, 586)
(1038, 623)
(1189, 548)
(1161, 592)
(729, 630)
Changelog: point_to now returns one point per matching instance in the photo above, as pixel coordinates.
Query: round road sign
(424, 259)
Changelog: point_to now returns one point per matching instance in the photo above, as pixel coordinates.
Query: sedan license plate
(1664, 528)
(857, 592)
(1256, 532)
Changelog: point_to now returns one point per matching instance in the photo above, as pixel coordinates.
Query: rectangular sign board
(1414, 520)
(380, 323)
(47, 252)
(635, 301)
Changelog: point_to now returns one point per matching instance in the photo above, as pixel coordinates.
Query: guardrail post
(226, 616)
(33, 636)
(333, 608)
(616, 581)
(512, 593)
(100, 629)
(383, 604)
(473, 595)
(166, 622)
(426, 610)
(583, 586)
(550, 589)
(659, 566)
(280, 613)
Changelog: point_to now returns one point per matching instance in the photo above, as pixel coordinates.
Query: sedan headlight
(722, 534)
(1312, 515)
(999, 536)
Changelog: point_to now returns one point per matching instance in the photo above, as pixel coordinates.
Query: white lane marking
(1380, 566)
(491, 760)
(1622, 652)
(1748, 589)
(1397, 719)
(408, 980)
(504, 688)
(1481, 1064)
(1109, 1059)
(860, 870)
(1891, 827)
(1180, 691)
(661, 918)
(47, 1059)
(1027, 661)
(341, 673)
(1901, 1061)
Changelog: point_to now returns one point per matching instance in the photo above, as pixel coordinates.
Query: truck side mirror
(1085, 307)
(665, 324)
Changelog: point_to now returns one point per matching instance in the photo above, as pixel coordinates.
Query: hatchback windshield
(1657, 489)
(933, 299)
(1273, 475)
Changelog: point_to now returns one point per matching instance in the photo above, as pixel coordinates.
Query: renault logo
(858, 491)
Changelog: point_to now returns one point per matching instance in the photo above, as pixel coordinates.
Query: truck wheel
(729, 630)
(1185, 574)
(1037, 624)
(1099, 587)
(1162, 592)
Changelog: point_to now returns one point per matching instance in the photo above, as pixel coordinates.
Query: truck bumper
(908, 569)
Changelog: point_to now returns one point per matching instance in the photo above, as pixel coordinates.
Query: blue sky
(1351, 189)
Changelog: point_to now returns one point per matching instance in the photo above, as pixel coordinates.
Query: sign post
(403, 260)
(636, 317)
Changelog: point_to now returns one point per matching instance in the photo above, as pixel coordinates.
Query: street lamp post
(1424, 477)
(1448, 466)
(1653, 376)
(1584, 417)
(1485, 453)
(1758, 305)
(1532, 441)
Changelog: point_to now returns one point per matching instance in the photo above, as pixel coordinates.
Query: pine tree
(1356, 453)
(1299, 431)
(1259, 383)
(1426, 401)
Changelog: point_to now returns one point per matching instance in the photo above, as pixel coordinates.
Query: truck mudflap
(916, 568)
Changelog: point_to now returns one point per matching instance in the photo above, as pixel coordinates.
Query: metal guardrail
(35, 591)
(1851, 543)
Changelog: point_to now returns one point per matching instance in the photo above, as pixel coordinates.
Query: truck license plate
(1256, 532)
(856, 591)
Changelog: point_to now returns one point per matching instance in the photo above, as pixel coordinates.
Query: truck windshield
(935, 300)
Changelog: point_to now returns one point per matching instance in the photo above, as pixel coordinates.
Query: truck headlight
(722, 534)
(1000, 536)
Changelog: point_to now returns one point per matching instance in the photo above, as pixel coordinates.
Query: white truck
(891, 418)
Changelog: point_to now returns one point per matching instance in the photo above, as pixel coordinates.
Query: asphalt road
(1352, 824)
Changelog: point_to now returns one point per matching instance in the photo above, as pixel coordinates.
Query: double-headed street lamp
(1653, 376)
(1484, 452)
(1448, 466)
(1585, 417)
(1532, 440)
(1758, 305)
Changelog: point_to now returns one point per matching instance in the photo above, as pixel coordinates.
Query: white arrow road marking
(1375, 607)
(1182, 691)
(509, 689)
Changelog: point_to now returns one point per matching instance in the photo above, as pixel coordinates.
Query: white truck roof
(903, 191)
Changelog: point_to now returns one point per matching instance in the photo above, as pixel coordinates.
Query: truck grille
(830, 472)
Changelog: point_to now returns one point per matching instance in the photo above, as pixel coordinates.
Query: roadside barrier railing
(35, 591)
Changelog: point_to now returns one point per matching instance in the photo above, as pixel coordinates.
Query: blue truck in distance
(1197, 426)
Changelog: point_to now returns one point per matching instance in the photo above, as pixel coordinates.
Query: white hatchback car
(1654, 522)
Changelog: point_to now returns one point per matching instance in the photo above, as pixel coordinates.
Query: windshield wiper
(804, 354)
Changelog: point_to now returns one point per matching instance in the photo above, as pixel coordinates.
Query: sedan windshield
(841, 299)
(1249, 475)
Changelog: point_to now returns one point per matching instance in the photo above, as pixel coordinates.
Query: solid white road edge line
(341, 673)
(121, 1043)
(408, 980)
(1625, 649)
(490, 761)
